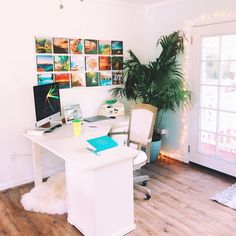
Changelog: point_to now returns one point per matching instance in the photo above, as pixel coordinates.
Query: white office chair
(141, 125)
(142, 121)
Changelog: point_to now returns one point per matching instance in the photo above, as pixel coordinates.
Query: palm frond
(160, 82)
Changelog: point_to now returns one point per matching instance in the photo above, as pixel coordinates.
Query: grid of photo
(75, 62)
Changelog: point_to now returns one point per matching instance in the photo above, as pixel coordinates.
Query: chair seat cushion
(140, 160)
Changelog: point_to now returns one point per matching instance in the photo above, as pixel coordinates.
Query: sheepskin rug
(49, 197)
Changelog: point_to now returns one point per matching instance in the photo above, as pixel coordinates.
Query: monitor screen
(47, 101)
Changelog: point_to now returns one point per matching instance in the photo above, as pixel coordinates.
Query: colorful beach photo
(76, 46)
(117, 77)
(104, 63)
(105, 78)
(43, 45)
(117, 63)
(117, 47)
(77, 79)
(77, 63)
(91, 46)
(60, 45)
(104, 47)
(91, 79)
(44, 63)
(61, 63)
(45, 78)
(63, 79)
(91, 63)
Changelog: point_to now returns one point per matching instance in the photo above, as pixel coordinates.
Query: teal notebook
(102, 143)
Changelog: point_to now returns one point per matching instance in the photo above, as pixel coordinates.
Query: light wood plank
(180, 205)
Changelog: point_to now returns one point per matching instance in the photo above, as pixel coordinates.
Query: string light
(188, 26)
(185, 70)
(61, 5)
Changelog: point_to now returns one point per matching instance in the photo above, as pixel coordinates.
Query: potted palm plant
(159, 83)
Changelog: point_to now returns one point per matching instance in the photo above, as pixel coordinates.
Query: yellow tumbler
(77, 127)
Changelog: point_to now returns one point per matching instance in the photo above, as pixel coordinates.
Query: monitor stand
(49, 126)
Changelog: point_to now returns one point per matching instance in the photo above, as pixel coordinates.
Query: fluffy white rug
(49, 197)
(227, 197)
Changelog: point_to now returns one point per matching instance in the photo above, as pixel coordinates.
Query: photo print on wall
(44, 63)
(60, 45)
(76, 62)
(117, 63)
(61, 63)
(117, 77)
(91, 46)
(91, 63)
(105, 78)
(45, 78)
(104, 47)
(104, 63)
(43, 45)
(63, 79)
(76, 46)
(77, 79)
(117, 47)
(91, 79)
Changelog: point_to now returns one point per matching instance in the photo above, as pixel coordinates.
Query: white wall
(171, 15)
(165, 18)
(21, 21)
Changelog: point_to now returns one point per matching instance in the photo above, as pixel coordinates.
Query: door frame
(189, 68)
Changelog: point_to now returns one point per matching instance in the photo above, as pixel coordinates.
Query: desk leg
(37, 164)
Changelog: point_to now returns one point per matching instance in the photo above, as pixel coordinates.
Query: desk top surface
(64, 144)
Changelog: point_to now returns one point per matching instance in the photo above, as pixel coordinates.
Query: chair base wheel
(148, 196)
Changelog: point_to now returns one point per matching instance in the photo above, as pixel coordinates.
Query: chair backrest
(141, 125)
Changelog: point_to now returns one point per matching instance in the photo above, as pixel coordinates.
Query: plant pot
(155, 150)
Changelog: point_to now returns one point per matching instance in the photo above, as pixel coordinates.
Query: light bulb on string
(61, 5)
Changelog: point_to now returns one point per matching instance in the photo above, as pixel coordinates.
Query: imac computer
(47, 106)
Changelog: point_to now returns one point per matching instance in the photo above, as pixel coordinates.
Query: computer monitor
(47, 103)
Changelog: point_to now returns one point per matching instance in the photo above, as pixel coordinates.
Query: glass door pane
(228, 47)
(217, 107)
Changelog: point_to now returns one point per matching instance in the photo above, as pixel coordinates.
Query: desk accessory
(40, 131)
(72, 112)
(112, 108)
(77, 127)
(101, 143)
(95, 118)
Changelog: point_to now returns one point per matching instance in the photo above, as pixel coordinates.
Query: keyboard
(96, 118)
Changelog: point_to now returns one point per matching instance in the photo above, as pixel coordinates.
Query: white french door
(213, 79)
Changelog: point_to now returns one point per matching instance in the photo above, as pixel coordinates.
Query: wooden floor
(179, 206)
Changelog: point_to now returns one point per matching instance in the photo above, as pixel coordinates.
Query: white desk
(99, 188)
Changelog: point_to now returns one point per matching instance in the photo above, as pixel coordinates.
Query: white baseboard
(19, 182)
(177, 157)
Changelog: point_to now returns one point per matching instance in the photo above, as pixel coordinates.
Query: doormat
(227, 197)
(49, 197)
